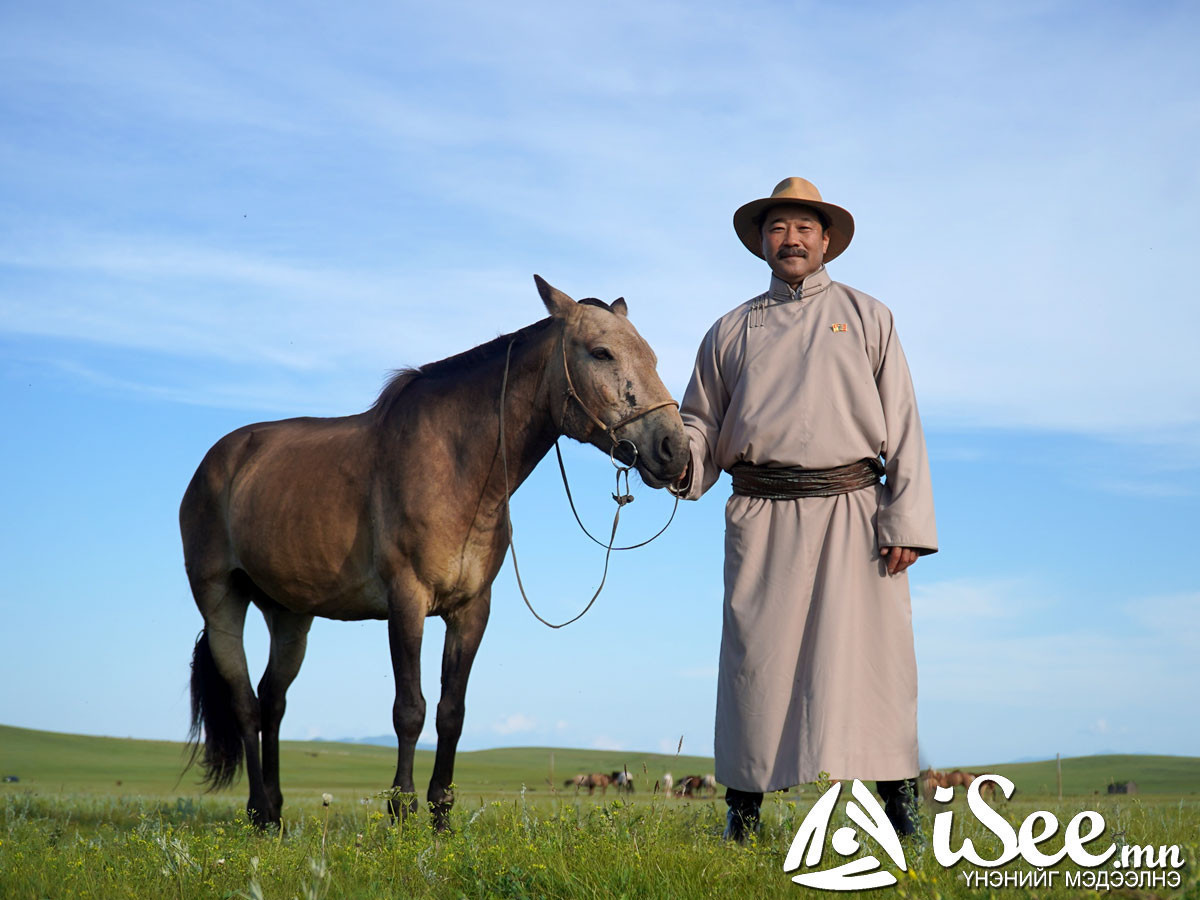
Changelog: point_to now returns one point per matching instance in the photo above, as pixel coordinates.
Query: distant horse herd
(706, 785)
(931, 779)
(622, 781)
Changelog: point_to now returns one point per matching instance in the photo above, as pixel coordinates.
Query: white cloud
(1102, 728)
(969, 600)
(517, 722)
(1173, 619)
(1149, 488)
(183, 297)
(1120, 673)
(1014, 304)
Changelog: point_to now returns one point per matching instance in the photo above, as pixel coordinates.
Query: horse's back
(288, 503)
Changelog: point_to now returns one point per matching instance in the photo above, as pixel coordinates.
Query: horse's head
(618, 396)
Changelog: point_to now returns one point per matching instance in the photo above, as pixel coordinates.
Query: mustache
(787, 252)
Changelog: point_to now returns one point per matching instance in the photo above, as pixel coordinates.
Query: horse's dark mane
(463, 363)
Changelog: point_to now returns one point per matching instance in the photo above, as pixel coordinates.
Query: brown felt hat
(747, 221)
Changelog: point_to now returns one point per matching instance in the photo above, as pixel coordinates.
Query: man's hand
(898, 558)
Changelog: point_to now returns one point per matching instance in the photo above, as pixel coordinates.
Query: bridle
(611, 430)
(621, 497)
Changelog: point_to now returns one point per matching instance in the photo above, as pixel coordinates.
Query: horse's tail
(212, 713)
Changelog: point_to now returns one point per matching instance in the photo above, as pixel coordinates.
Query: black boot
(742, 819)
(900, 804)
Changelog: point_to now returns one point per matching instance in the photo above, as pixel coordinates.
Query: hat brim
(747, 225)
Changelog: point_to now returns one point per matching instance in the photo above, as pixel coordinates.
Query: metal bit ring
(612, 454)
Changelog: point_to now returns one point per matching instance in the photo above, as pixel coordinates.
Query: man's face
(793, 242)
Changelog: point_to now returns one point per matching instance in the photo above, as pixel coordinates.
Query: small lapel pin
(838, 326)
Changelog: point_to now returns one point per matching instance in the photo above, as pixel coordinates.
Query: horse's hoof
(440, 817)
(264, 821)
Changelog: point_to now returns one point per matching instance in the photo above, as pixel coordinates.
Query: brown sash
(792, 482)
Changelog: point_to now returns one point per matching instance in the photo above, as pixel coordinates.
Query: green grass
(68, 830)
(48, 762)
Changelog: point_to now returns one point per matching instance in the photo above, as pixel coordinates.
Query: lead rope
(621, 498)
(566, 486)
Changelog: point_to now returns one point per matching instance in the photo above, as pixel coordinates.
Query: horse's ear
(619, 307)
(557, 303)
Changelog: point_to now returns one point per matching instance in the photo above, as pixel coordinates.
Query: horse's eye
(601, 353)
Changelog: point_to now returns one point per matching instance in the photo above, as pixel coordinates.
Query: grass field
(101, 817)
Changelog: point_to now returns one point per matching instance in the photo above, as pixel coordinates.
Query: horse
(668, 783)
(689, 786)
(709, 784)
(622, 781)
(398, 513)
(591, 782)
(957, 778)
(932, 779)
(987, 789)
(598, 780)
(929, 781)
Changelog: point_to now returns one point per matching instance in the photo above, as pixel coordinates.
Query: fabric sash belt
(792, 482)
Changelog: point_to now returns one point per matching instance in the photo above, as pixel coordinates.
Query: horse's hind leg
(289, 640)
(464, 630)
(223, 603)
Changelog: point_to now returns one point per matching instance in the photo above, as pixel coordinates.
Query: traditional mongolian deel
(817, 667)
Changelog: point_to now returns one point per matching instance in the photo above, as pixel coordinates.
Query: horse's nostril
(665, 450)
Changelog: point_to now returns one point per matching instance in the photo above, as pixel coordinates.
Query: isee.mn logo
(1134, 866)
(857, 874)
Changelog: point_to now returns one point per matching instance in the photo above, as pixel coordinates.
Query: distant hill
(68, 763)
(53, 763)
(378, 740)
(1083, 775)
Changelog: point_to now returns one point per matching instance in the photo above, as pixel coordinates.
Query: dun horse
(398, 513)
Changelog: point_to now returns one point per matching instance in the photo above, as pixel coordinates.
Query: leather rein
(621, 497)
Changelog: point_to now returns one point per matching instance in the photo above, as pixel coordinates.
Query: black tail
(212, 713)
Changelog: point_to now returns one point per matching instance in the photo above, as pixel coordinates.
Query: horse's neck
(529, 429)
(466, 408)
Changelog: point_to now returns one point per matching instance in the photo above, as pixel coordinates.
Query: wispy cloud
(1101, 728)
(588, 156)
(1172, 619)
(971, 602)
(515, 723)
(1006, 652)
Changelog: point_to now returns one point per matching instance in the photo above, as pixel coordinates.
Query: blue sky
(213, 214)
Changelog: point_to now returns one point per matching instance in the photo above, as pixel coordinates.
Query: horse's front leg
(464, 629)
(406, 624)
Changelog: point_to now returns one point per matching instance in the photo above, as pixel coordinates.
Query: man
(799, 393)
